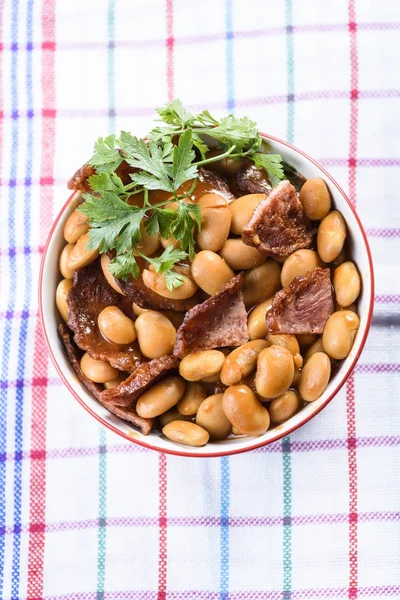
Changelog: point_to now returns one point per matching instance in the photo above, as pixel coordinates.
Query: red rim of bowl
(256, 444)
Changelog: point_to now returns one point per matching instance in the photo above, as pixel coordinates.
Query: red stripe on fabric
(37, 483)
(170, 49)
(162, 524)
(350, 394)
(353, 500)
(354, 92)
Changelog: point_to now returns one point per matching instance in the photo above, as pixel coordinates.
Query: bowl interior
(50, 277)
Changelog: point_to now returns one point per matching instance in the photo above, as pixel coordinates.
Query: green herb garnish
(164, 162)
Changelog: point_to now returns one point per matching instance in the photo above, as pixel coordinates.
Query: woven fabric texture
(85, 515)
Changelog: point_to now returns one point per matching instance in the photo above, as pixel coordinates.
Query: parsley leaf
(167, 259)
(182, 167)
(151, 159)
(272, 163)
(106, 182)
(106, 158)
(173, 279)
(175, 113)
(200, 145)
(205, 118)
(113, 223)
(164, 162)
(164, 264)
(161, 222)
(124, 265)
(240, 132)
(186, 217)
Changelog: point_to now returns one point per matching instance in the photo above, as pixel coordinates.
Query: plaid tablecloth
(86, 516)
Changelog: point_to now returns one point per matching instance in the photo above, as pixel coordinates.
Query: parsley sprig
(165, 161)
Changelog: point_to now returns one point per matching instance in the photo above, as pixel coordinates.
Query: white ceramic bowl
(50, 276)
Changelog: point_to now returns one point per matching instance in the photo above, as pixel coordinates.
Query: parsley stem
(218, 157)
(189, 193)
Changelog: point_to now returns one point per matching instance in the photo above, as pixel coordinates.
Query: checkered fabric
(85, 515)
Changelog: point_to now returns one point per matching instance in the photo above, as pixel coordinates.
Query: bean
(114, 382)
(105, 261)
(241, 362)
(172, 415)
(149, 244)
(352, 307)
(98, 371)
(315, 198)
(298, 263)
(63, 263)
(275, 371)
(242, 210)
(315, 377)
(210, 200)
(186, 433)
(156, 282)
(245, 411)
(137, 310)
(61, 297)
(284, 407)
(75, 226)
(210, 272)
(160, 397)
(339, 333)
(256, 324)
(176, 318)
(235, 431)
(212, 378)
(212, 418)
(191, 399)
(238, 256)
(156, 334)
(215, 226)
(200, 365)
(315, 347)
(261, 282)
(116, 326)
(298, 363)
(80, 256)
(166, 242)
(331, 236)
(347, 284)
(286, 340)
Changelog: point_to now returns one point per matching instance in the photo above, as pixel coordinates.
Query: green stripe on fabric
(102, 531)
(287, 461)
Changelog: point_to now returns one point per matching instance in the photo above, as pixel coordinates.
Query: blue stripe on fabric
(225, 491)
(22, 342)
(229, 55)
(12, 286)
(290, 69)
(111, 52)
(224, 550)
